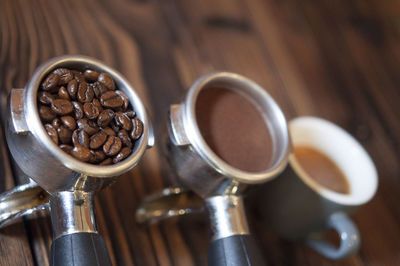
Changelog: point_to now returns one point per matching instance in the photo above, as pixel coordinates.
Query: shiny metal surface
(198, 167)
(21, 201)
(18, 122)
(227, 216)
(70, 183)
(200, 170)
(170, 202)
(43, 160)
(177, 129)
(72, 212)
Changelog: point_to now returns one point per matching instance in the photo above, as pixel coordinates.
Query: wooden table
(336, 60)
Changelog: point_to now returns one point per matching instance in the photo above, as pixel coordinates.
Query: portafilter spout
(69, 184)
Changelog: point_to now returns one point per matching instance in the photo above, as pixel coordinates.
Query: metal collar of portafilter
(184, 132)
(69, 183)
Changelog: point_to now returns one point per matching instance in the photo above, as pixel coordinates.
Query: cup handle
(349, 238)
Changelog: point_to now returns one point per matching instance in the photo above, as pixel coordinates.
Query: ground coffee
(234, 129)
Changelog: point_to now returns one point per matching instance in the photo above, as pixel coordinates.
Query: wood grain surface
(339, 60)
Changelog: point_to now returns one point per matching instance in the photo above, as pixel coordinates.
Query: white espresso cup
(298, 208)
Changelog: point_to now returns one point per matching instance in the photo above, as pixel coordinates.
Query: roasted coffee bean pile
(87, 116)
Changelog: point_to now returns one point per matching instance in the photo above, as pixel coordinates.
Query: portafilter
(207, 180)
(58, 180)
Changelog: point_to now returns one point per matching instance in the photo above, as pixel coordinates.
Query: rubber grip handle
(79, 249)
(237, 250)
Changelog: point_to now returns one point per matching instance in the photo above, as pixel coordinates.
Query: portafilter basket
(207, 180)
(69, 183)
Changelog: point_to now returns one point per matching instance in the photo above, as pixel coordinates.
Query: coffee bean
(46, 113)
(111, 100)
(99, 89)
(137, 129)
(66, 148)
(96, 91)
(85, 93)
(94, 126)
(50, 82)
(45, 97)
(105, 117)
(97, 156)
(107, 161)
(56, 123)
(83, 139)
(91, 111)
(65, 75)
(107, 81)
(124, 136)
(91, 75)
(64, 134)
(80, 137)
(118, 109)
(123, 121)
(130, 114)
(69, 122)
(81, 153)
(62, 107)
(72, 88)
(75, 138)
(88, 126)
(112, 146)
(124, 99)
(97, 103)
(122, 154)
(109, 131)
(114, 126)
(63, 93)
(78, 76)
(98, 139)
(78, 110)
(52, 132)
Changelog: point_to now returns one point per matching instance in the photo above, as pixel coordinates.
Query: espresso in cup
(322, 169)
(303, 203)
(234, 129)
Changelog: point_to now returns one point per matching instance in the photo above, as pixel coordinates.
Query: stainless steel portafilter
(215, 183)
(66, 185)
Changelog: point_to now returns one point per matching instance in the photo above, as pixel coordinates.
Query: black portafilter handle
(232, 244)
(76, 241)
(236, 250)
(79, 249)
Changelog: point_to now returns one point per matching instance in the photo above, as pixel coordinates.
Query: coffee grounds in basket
(234, 129)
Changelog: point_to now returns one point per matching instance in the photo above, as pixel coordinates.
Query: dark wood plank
(14, 243)
(337, 60)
